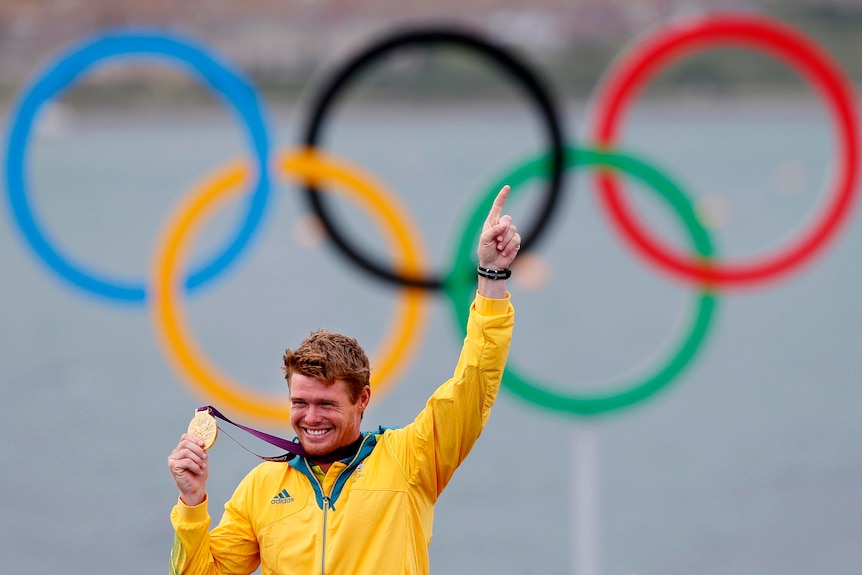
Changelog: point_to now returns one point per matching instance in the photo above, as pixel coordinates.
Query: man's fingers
(502, 228)
(512, 245)
(188, 466)
(186, 460)
(505, 236)
(498, 233)
(497, 207)
(181, 464)
(188, 455)
(189, 437)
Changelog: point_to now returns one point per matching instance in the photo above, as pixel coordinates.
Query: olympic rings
(313, 170)
(507, 62)
(660, 50)
(168, 317)
(219, 77)
(626, 394)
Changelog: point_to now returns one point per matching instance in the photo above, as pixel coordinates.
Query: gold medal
(204, 425)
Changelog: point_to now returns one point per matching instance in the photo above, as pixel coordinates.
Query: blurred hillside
(282, 43)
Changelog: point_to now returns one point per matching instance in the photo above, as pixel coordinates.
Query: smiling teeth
(316, 431)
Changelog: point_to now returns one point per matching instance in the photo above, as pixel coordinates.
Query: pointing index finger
(499, 202)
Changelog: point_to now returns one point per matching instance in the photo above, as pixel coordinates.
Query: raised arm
(432, 447)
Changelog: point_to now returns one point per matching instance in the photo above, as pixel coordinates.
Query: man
(357, 503)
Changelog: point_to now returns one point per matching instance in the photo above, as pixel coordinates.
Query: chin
(315, 448)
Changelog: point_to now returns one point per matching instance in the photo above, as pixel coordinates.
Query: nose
(312, 415)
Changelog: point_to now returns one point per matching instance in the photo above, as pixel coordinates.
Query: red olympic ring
(644, 60)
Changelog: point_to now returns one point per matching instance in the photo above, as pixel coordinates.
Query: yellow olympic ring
(305, 166)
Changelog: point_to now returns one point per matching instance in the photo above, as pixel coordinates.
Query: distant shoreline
(754, 105)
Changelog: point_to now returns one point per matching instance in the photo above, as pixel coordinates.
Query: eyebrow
(325, 401)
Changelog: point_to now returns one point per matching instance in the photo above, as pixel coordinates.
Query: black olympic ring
(429, 36)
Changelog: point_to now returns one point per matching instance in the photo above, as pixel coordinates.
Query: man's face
(323, 416)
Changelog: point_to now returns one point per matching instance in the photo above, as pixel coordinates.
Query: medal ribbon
(292, 447)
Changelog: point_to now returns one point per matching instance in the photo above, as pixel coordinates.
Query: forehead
(308, 388)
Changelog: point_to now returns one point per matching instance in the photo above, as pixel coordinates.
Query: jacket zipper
(326, 503)
(323, 540)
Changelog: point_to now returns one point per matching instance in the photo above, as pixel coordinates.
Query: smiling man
(354, 503)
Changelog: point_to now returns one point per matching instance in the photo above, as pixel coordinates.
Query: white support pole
(585, 501)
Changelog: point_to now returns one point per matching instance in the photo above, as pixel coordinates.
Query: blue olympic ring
(219, 77)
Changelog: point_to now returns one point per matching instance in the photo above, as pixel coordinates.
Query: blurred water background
(748, 463)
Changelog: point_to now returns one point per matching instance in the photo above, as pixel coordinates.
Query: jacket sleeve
(229, 549)
(442, 435)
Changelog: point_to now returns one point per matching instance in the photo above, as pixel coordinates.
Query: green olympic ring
(460, 285)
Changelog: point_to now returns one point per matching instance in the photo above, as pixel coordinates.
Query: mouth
(315, 433)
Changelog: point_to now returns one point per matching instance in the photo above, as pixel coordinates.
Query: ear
(364, 397)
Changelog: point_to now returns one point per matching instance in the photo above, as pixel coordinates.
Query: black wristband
(494, 274)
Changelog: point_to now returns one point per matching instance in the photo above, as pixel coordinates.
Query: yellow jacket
(373, 514)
